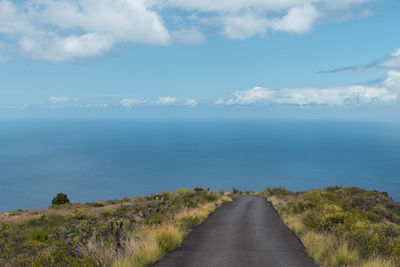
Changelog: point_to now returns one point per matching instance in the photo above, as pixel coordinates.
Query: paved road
(247, 232)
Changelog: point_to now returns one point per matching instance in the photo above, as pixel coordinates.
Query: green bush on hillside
(60, 199)
(368, 221)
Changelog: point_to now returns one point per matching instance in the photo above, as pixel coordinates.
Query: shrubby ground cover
(128, 232)
(343, 226)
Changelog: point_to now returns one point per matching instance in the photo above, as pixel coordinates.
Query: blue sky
(259, 58)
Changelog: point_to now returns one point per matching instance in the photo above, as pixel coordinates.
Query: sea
(103, 159)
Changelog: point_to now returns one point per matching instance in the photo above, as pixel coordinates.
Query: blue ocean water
(106, 159)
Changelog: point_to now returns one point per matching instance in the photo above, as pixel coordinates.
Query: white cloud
(166, 100)
(96, 105)
(390, 62)
(58, 99)
(299, 19)
(393, 81)
(240, 19)
(219, 101)
(59, 30)
(387, 92)
(128, 102)
(55, 48)
(191, 36)
(242, 27)
(191, 102)
(236, 6)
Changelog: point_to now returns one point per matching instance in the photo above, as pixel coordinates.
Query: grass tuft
(378, 261)
(318, 245)
(344, 256)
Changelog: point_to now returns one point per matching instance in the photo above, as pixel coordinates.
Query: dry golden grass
(377, 262)
(223, 200)
(343, 255)
(16, 217)
(149, 243)
(294, 223)
(277, 203)
(318, 245)
(101, 253)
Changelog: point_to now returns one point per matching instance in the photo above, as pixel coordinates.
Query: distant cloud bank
(387, 91)
(58, 99)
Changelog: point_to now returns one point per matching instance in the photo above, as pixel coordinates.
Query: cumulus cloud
(54, 48)
(299, 19)
(387, 92)
(390, 62)
(236, 6)
(191, 36)
(393, 81)
(58, 99)
(240, 19)
(128, 102)
(242, 27)
(60, 30)
(166, 100)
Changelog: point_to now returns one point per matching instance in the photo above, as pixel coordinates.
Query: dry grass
(326, 249)
(378, 262)
(318, 245)
(294, 223)
(223, 199)
(149, 243)
(17, 217)
(277, 203)
(101, 253)
(343, 255)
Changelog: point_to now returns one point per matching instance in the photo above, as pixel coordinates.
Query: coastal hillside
(343, 226)
(337, 227)
(127, 232)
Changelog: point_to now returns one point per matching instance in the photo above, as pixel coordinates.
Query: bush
(363, 223)
(97, 204)
(279, 192)
(60, 199)
(38, 235)
(235, 191)
(154, 219)
(184, 191)
(199, 190)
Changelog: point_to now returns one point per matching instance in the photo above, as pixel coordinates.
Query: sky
(290, 59)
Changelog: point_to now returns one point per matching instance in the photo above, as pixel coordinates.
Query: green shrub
(279, 192)
(235, 191)
(60, 199)
(97, 204)
(368, 221)
(39, 235)
(154, 219)
(184, 191)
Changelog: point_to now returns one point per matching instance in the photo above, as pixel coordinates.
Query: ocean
(93, 160)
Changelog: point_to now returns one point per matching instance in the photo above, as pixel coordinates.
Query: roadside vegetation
(343, 226)
(128, 232)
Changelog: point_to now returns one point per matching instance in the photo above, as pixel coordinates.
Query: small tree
(60, 199)
(236, 191)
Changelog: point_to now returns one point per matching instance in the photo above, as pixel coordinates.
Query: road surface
(246, 232)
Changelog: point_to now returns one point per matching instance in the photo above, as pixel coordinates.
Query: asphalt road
(246, 232)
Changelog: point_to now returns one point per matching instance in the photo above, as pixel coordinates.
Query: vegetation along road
(246, 232)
